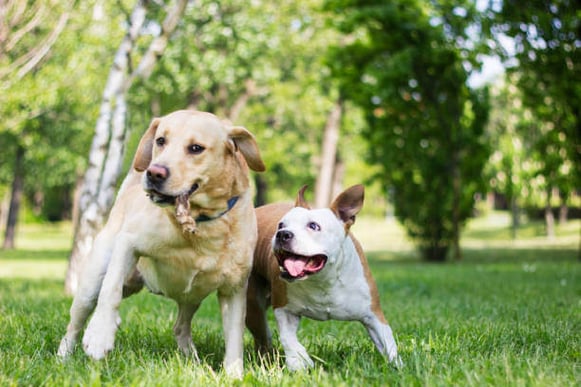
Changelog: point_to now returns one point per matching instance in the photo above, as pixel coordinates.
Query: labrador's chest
(189, 269)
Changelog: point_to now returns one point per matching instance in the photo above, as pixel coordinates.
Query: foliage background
(415, 128)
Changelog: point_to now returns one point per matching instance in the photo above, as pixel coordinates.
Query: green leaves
(544, 64)
(406, 69)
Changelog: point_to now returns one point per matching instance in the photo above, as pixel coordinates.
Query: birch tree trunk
(324, 184)
(107, 149)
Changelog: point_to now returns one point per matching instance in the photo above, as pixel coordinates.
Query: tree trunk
(434, 253)
(4, 206)
(107, 149)
(338, 176)
(15, 199)
(91, 214)
(514, 210)
(563, 209)
(549, 217)
(324, 184)
(456, 187)
(261, 190)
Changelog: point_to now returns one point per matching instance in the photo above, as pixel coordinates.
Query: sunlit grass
(495, 230)
(491, 231)
(44, 236)
(509, 314)
(42, 250)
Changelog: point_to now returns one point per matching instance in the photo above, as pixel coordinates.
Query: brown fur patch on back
(375, 304)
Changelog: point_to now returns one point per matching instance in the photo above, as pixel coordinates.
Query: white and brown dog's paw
(299, 361)
(66, 347)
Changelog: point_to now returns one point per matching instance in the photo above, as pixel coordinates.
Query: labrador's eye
(195, 149)
(314, 226)
(160, 141)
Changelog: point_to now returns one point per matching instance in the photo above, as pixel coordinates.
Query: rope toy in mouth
(183, 215)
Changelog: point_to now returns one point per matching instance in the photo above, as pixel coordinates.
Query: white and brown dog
(184, 218)
(307, 263)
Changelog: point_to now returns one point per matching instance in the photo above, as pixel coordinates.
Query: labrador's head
(189, 151)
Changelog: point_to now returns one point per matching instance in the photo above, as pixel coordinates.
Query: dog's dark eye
(280, 225)
(160, 141)
(314, 226)
(195, 149)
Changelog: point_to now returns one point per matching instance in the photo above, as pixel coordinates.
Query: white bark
(91, 213)
(107, 150)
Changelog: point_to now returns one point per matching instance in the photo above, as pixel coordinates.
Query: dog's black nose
(157, 174)
(284, 236)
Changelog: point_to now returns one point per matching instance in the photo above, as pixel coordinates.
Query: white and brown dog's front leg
(296, 355)
(99, 336)
(233, 308)
(183, 330)
(382, 336)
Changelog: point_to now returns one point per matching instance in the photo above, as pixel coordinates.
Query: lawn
(508, 314)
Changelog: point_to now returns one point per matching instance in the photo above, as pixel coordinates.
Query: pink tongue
(294, 266)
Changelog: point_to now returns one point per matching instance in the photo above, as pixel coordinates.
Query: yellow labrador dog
(184, 218)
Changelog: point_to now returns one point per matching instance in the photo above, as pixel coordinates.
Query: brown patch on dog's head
(300, 200)
(348, 204)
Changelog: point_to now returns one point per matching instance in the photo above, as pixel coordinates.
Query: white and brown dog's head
(187, 152)
(308, 240)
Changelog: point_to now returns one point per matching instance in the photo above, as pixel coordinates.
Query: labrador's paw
(99, 337)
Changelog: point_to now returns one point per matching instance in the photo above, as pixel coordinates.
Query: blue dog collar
(231, 203)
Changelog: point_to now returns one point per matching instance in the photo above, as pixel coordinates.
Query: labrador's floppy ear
(348, 204)
(145, 148)
(300, 200)
(245, 142)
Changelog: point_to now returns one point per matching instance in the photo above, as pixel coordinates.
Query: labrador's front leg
(183, 329)
(85, 299)
(99, 336)
(233, 308)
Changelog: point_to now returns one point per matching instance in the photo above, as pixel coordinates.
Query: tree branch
(45, 47)
(159, 44)
(28, 61)
(18, 34)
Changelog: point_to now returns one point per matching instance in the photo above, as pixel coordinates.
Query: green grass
(509, 314)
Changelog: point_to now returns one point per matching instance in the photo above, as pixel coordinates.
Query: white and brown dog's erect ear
(348, 204)
(246, 144)
(145, 148)
(300, 200)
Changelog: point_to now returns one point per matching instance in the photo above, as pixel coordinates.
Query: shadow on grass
(481, 256)
(26, 254)
(533, 230)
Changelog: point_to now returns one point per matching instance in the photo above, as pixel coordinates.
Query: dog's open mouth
(293, 266)
(162, 199)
